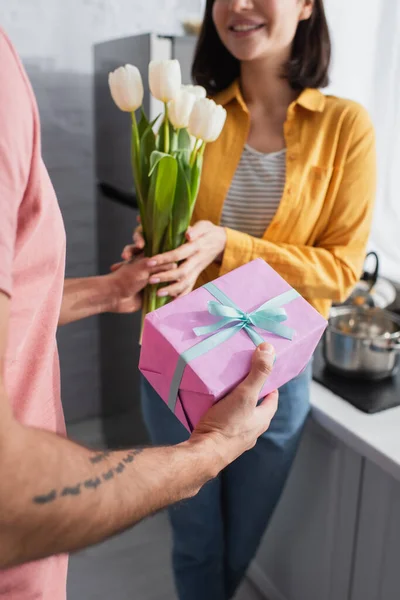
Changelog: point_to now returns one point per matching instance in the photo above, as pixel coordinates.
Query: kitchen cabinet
(336, 532)
(377, 551)
(307, 551)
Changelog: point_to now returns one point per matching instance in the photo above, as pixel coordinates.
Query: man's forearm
(85, 297)
(65, 497)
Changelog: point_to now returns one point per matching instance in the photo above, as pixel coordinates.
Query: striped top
(256, 191)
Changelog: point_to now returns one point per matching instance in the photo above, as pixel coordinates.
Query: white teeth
(245, 27)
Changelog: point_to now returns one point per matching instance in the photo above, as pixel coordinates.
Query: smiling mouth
(246, 28)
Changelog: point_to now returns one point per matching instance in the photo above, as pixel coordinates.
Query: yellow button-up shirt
(317, 239)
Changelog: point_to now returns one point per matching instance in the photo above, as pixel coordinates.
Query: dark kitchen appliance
(368, 396)
(117, 210)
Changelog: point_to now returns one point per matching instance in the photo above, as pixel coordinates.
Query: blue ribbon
(269, 317)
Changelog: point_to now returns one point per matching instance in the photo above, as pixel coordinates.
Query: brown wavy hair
(215, 68)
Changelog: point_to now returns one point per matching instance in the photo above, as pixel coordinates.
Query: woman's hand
(205, 244)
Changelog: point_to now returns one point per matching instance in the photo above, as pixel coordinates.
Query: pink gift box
(169, 332)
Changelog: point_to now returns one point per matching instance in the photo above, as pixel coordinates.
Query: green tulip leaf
(144, 123)
(184, 157)
(155, 158)
(147, 147)
(195, 178)
(161, 136)
(181, 213)
(161, 197)
(173, 149)
(184, 141)
(154, 121)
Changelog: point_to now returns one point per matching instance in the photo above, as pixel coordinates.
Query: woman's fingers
(182, 283)
(197, 230)
(128, 252)
(160, 271)
(138, 240)
(137, 235)
(132, 250)
(177, 289)
(181, 253)
(175, 274)
(185, 292)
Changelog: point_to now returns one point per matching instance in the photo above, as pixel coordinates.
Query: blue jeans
(217, 533)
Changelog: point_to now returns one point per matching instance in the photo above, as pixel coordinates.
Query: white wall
(366, 68)
(60, 33)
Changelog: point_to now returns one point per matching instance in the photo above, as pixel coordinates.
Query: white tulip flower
(180, 109)
(126, 88)
(207, 120)
(165, 79)
(197, 90)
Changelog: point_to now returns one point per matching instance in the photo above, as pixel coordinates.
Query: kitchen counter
(336, 532)
(375, 437)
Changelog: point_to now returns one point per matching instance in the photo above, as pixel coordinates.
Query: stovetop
(368, 396)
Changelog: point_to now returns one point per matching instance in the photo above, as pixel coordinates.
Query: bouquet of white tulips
(166, 164)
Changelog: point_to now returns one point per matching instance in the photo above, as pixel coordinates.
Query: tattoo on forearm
(100, 457)
(90, 484)
(46, 498)
(109, 475)
(72, 491)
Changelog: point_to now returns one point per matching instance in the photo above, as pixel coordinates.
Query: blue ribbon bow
(269, 317)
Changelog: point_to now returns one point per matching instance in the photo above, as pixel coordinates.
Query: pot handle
(371, 278)
(383, 345)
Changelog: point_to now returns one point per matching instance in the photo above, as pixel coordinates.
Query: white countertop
(376, 437)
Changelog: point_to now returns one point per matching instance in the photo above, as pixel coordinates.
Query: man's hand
(63, 497)
(119, 291)
(234, 424)
(127, 282)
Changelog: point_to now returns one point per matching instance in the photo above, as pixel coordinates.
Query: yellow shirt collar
(311, 99)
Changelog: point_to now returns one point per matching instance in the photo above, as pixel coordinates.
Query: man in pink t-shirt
(56, 496)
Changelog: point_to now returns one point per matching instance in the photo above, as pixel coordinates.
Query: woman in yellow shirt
(290, 180)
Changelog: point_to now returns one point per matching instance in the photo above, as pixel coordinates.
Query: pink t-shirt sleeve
(16, 144)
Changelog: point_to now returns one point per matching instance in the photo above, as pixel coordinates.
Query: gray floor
(134, 565)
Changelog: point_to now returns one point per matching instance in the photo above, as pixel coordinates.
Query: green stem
(194, 153)
(149, 304)
(153, 297)
(149, 299)
(175, 141)
(136, 138)
(135, 147)
(166, 130)
(143, 316)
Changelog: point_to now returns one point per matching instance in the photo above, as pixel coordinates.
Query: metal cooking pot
(362, 342)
